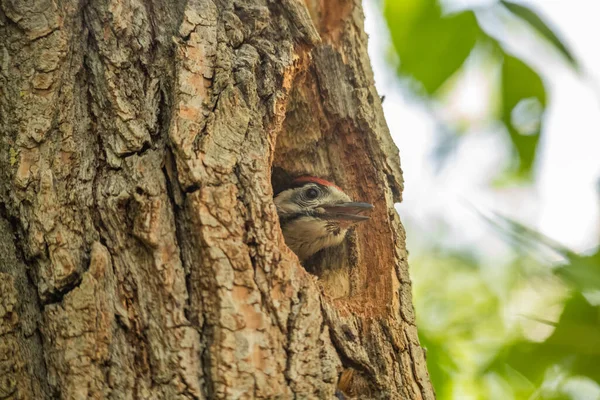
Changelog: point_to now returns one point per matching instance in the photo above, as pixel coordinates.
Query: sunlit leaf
(520, 84)
(534, 20)
(431, 46)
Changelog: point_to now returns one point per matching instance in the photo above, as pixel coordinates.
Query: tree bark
(140, 251)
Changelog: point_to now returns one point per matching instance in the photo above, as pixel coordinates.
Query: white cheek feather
(284, 202)
(307, 235)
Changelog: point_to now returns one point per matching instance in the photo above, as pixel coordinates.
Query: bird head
(315, 214)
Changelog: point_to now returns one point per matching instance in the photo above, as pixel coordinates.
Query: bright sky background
(564, 203)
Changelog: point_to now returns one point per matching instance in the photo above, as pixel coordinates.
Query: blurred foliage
(541, 27)
(524, 329)
(432, 47)
(479, 346)
(574, 344)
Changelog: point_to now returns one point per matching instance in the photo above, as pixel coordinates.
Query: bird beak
(348, 211)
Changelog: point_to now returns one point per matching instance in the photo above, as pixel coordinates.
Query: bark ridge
(140, 252)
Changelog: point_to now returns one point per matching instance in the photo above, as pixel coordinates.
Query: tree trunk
(140, 251)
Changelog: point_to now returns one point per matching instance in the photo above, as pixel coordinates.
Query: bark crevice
(138, 140)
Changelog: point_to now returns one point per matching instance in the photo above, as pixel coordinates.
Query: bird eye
(311, 193)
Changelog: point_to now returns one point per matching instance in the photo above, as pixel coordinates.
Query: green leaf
(431, 47)
(521, 85)
(577, 332)
(582, 271)
(574, 345)
(540, 26)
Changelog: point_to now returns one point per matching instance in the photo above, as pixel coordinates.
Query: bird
(315, 214)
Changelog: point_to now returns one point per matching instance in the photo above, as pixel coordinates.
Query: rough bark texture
(140, 252)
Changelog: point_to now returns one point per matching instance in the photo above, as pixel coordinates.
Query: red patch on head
(308, 179)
